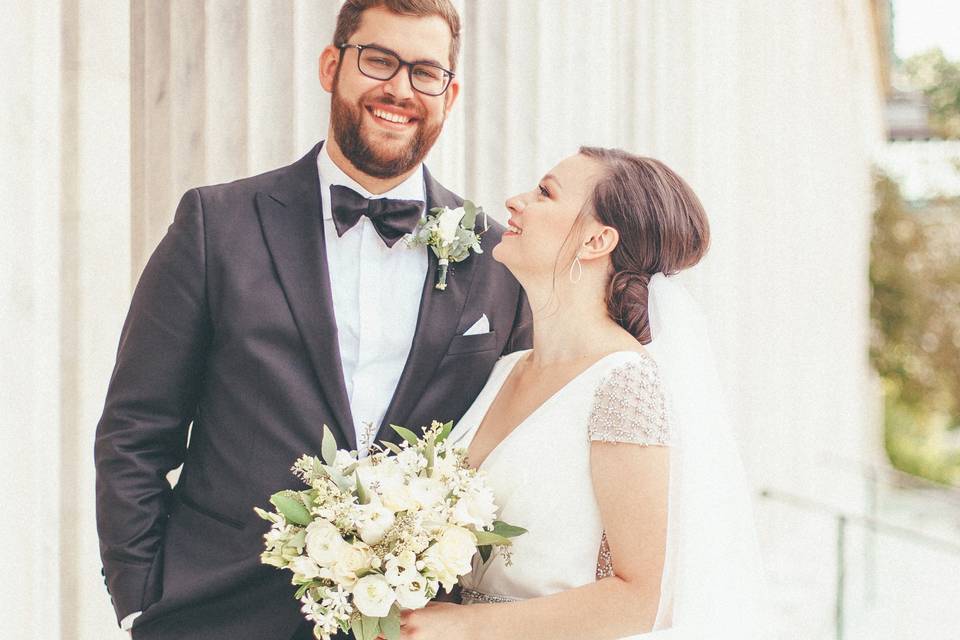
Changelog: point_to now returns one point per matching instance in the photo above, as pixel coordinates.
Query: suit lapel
(290, 216)
(437, 322)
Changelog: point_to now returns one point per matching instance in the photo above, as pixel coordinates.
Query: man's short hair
(348, 20)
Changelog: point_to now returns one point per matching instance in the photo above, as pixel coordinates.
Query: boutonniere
(450, 233)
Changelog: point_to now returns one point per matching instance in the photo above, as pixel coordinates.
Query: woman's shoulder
(629, 404)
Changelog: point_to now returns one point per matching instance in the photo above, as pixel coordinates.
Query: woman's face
(541, 219)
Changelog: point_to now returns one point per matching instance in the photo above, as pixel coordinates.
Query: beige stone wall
(110, 110)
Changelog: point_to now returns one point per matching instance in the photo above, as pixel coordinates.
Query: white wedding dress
(540, 474)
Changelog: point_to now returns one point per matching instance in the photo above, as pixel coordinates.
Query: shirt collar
(330, 174)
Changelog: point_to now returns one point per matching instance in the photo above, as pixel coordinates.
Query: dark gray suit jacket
(232, 329)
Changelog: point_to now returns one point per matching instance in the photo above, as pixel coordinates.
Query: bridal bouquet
(372, 536)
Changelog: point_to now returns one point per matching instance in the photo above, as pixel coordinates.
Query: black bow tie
(391, 218)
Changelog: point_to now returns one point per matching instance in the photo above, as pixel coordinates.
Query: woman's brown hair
(662, 225)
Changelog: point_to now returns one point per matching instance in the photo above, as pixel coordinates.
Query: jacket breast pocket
(472, 344)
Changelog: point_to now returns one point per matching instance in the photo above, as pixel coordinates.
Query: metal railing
(870, 523)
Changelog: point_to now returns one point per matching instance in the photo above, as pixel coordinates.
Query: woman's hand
(439, 621)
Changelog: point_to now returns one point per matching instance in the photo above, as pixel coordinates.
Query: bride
(607, 441)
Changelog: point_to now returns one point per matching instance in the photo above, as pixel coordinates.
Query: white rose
(428, 493)
(412, 591)
(395, 495)
(449, 557)
(377, 520)
(323, 542)
(475, 507)
(306, 567)
(448, 222)
(351, 559)
(373, 596)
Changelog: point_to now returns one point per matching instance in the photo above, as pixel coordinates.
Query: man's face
(365, 112)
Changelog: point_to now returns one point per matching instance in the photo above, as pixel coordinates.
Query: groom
(280, 303)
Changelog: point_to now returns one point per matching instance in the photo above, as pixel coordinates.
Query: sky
(923, 24)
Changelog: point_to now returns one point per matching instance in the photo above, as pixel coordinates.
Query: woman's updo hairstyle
(662, 225)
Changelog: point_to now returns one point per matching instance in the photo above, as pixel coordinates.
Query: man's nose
(399, 85)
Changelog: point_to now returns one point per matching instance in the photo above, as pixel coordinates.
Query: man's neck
(374, 185)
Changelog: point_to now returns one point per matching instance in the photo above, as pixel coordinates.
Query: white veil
(711, 586)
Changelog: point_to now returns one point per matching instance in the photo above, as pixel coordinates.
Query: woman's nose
(515, 204)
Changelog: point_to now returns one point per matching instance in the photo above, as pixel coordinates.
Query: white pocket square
(480, 326)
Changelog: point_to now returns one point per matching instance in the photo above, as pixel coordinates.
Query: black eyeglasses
(382, 64)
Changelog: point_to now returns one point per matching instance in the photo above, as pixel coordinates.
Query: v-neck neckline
(496, 395)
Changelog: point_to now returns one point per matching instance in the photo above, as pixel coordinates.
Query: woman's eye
(543, 191)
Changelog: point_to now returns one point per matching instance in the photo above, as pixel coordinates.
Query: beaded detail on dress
(629, 406)
(470, 596)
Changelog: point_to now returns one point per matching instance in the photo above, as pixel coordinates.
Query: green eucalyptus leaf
(507, 530)
(429, 454)
(362, 495)
(488, 537)
(406, 434)
(470, 217)
(289, 504)
(328, 447)
(390, 626)
(485, 551)
(445, 431)
(391, 446)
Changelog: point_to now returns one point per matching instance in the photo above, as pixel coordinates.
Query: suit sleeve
(521, 334)
(151, 401)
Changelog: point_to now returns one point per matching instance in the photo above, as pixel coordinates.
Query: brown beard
(347, 121)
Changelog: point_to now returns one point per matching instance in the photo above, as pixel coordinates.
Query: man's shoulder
(291, 176)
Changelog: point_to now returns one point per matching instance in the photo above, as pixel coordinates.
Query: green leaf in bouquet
(289, 504)
(328, 447)
(390, 626)
(302, 590)
(266, 515)
(406, 434)
(485, 551)
(391, 446)
(470, 215)
(365, 628)
(344, 625)
(362, 496)
(488, 537)
(507, 530)
(444, 431)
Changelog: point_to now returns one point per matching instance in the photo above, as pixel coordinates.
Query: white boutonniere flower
(450, 234)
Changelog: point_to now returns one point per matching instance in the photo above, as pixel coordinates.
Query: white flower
(428, 493)
(412, 591)
(449, 557)
(307, 568)
(324, 542)
(351, 559)
(377, 520)
(448, 222)
(373, 596)
(475, 507)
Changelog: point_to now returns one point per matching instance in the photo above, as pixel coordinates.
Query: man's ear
(329, 59)
(451, 95)
(601, 243)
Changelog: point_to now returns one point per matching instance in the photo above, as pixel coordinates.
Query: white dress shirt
(376, 299)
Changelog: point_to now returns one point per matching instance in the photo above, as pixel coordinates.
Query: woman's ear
(601, 242)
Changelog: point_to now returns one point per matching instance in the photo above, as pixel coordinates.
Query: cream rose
(377, 520)
(373, 596)
(351, 559)
(323, 542)
(475, 507)
(449, 557)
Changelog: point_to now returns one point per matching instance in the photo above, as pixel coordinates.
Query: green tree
(939, 79)
(915, 344)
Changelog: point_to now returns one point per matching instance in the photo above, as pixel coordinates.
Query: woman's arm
(631, 486)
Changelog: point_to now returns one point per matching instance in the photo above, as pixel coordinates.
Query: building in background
(773, 111)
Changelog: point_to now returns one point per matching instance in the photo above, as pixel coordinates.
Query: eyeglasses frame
(403, 63)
